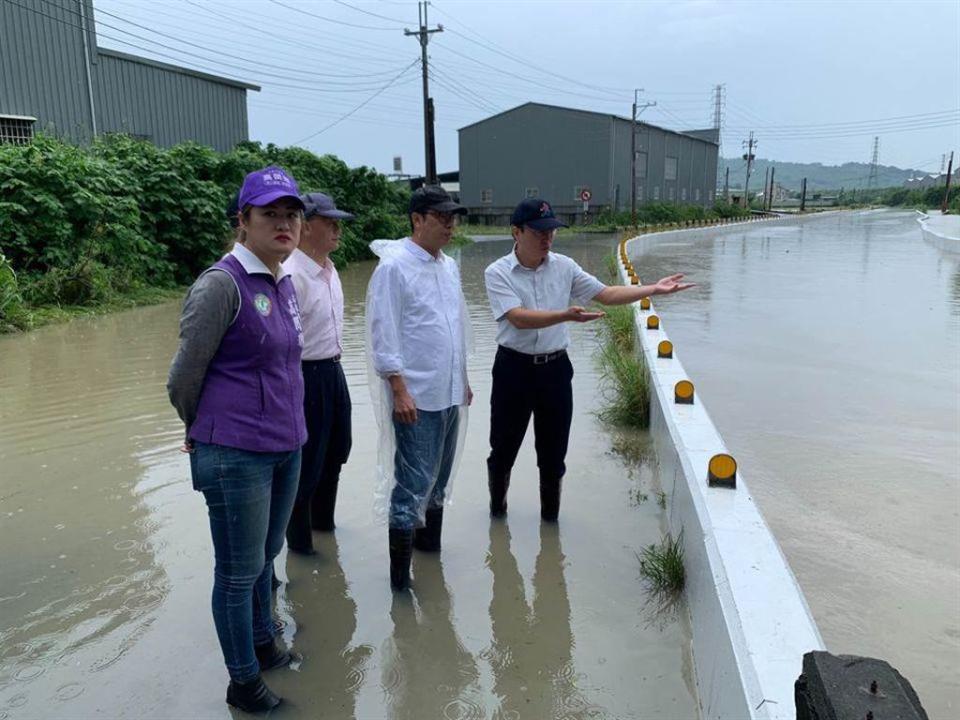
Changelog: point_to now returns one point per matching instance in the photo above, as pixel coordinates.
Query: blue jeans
(249, 497)
(422, 465)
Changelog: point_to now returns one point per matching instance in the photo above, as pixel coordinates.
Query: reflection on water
(427, 672)
(531, 653)
(108, 565)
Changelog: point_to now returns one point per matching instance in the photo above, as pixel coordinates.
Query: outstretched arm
(525, 319)
(623, 294)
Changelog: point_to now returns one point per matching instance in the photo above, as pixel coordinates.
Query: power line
(329, 19)
(358, 107)
(367, 12)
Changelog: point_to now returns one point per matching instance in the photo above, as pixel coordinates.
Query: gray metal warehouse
(557, 153)
(54, 78)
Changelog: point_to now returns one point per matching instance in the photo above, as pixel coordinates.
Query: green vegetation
(123, 221)
(625, 381)
(662, 566)
(921, 199)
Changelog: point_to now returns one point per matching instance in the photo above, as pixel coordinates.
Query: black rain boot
(299, 538)
(272, 655)
(427, 539)
(550, 498)
(252, 696)
(498, 484)
(401, 549)
(323, 503)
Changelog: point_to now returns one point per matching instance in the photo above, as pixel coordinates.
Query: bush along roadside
(625, 382)
(125, 222)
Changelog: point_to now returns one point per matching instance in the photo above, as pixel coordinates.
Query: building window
(670, 168)
(639, 192)
(670, 194)
(656, 192)
(683, 194)
(641, 164)
(696, 194)
(486, 196)
(16, 129)
(531, 192)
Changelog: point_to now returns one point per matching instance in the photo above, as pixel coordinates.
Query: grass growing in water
(662, 566)
(626, 383)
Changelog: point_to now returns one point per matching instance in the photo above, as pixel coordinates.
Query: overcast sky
(815, 81)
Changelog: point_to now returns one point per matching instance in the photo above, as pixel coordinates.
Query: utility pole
(803, 196)
(766, 187)
(872, 178)
(726, 186)
(633, 154)
(430, 161)
(718, 115)
(773, 172)
(749, 158)
(946, 192)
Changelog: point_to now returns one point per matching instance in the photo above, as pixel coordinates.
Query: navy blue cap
(434, 197)
(323, 205)
(536, 214)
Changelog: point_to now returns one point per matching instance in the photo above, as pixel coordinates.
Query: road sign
(585, 194)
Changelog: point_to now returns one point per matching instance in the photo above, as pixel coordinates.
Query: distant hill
(819, 177)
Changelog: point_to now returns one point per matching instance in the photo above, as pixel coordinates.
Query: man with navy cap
(534, 293)
(326, 397)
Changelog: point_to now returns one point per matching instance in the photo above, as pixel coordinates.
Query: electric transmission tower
(718, 92)
(872, 178)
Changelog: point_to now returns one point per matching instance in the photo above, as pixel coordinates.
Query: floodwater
(828, 354)
(107, 560)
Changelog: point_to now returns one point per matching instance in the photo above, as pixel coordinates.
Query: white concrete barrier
(751, 624)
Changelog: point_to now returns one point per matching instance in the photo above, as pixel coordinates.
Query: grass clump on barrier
(625, 380)
(661, 566)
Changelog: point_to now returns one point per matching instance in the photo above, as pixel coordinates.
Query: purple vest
(252, 396)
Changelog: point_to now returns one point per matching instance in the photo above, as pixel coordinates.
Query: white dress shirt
(320, 296)
(556, 284)
(417, 312)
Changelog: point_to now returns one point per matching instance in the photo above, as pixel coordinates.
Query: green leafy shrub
(12, 312)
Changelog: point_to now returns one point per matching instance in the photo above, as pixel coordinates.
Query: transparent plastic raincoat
(417, 326)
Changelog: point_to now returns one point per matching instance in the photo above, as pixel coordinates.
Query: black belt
(541, 359)
(334, 359)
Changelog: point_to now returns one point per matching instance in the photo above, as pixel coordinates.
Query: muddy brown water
(828, 355)
(107, 561)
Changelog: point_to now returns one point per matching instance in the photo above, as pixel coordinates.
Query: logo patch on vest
(262, 303)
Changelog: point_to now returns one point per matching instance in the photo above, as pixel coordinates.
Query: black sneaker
(252, 696)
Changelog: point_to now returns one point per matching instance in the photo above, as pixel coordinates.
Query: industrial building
(579, 160)
(54, 78)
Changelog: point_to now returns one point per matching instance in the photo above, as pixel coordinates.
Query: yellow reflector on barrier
(634, 280)
(665, 349)
(683, 392)
(722, 470)
(645, 303)
(653, 322)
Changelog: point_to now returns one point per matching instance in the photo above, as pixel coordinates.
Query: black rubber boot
(427, 539)
(272, 655)
(252, 696)
(550, 498)
(323, 503)
(299, 538)
(401, 549)
(498, 484)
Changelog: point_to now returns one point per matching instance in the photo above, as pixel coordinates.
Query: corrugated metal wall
(558, 150)
(42, 70)
(43, 75)
(167, 107)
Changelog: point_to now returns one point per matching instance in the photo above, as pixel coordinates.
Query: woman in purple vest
(237, 386)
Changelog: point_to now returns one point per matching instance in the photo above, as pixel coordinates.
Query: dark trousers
(522, 387)
(327, 410)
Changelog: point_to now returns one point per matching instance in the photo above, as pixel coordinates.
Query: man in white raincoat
(418, 332)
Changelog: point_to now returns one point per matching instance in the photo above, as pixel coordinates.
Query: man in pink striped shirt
(327, 398)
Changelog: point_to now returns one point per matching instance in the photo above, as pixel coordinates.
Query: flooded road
(828, 355)
(107, 558)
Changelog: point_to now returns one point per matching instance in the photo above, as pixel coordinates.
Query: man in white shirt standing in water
(416, 315)
(530, 291)
(326, 397)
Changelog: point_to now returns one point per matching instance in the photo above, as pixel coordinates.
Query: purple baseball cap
(262, 187)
